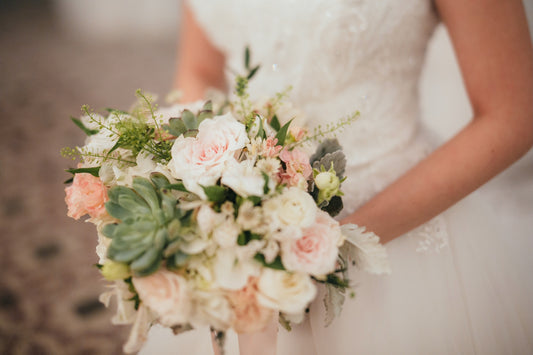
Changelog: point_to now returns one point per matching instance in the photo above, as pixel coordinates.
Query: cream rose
(243, 178)
(315, 252)
(293, 208)
(201, 160)
(167, 294)
(287, 292)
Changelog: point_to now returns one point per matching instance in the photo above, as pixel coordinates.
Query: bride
(461, 279)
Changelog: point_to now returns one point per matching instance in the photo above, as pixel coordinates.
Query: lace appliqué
(432, 236)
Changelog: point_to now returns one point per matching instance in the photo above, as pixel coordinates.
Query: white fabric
(460, 284)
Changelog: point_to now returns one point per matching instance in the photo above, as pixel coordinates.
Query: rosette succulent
(149, 220)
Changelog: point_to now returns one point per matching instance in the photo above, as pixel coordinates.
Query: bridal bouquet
(215, 214)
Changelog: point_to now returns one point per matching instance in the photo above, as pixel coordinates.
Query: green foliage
(282, 133)
(86, 130)
(276, 264)
(188, 123)
(215, 193)
(148, 216)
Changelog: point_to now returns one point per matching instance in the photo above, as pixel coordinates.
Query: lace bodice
(339, 56)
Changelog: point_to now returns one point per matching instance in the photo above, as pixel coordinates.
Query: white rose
(212, 308)
(293, 207)
(287, 292)
(232, 273)
(201, 160)
(315, 252)
(167, 294)
(243, 178)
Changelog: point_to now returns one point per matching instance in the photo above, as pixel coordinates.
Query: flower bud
(112, 270)
(327, 180)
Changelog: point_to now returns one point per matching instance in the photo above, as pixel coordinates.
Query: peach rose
(250, 316)
(86, 195)
(315, 252)
(167, 294)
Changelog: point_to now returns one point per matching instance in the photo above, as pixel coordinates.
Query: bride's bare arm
(200, 65)
(494, 51)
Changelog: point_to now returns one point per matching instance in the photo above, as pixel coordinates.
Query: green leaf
(252, 72)
(215, 193)
(261, 132)
(93, 171)
(117, 211)
(159, 180)
(267, 180)
(176, 127)
(189, 119)
(241, 240)
(146, 190)
(113, 110)
(276, 264)
(204, 115)
(86, 130)
(256, 200)
(282, 133)
(178, 187)
(274, 123)
(208, 106)
(247, 57)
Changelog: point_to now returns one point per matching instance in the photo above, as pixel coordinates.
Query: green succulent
(188, 123)
(149, 221)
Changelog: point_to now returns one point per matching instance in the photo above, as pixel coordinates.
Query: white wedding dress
(461, 283)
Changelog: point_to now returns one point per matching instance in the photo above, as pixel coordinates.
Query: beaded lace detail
(339, 56)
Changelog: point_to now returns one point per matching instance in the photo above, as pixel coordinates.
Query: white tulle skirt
(461, 284)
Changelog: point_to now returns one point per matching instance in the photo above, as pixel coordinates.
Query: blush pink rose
(201, 160)
(297, 167)
(250, 316)
(86, 195)
(315, 252)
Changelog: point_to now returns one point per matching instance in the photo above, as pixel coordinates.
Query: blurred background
(56, 56)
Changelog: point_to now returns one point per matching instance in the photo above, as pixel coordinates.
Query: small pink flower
(316, 251)
(250, 316)
(297, 133)
(270, 147)
(86, 195)
(297, 167)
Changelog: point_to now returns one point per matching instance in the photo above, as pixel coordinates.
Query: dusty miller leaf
(337, 158)
(327, 146)
(333, 301)
(363, 247)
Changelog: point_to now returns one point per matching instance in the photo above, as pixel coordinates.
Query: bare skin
(494, 51)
